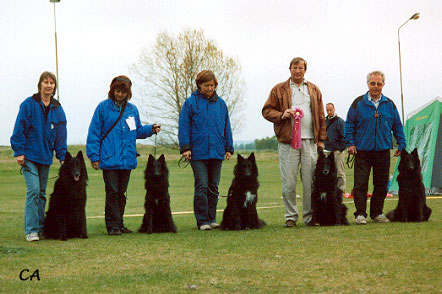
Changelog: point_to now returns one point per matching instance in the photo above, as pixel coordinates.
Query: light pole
(414, 16)
(56, 50)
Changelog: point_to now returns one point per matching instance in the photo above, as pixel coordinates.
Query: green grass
(376, 258)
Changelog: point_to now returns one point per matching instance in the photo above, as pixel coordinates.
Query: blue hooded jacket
(118, 150)
(370, 129)
(204, 127)
(35, 136)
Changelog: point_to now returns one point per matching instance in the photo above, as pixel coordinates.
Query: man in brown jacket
(279, 109)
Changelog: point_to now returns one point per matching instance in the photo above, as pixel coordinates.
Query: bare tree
(167, 73)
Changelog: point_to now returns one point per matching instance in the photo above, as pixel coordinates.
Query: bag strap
(115, 123)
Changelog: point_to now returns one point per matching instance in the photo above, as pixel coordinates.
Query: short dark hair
(204, 77)
(120, 83)
(297, 60)
(45, 75)
(330, 104)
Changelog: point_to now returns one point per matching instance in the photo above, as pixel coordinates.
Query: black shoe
(114, 232)
(125, 230)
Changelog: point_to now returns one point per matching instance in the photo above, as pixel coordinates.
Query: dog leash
(350, 160)
(26, 168)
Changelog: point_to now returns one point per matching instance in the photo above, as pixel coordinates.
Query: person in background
(40, 129)
(371, 119)
(279, 109)
(205, 138)
(111, 146)
(336, 143)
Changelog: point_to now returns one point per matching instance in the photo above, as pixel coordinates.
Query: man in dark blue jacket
(371, 120)
(336, 143)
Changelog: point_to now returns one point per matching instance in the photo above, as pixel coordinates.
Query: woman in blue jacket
(111, 146)
(205, 138)
(40, 129)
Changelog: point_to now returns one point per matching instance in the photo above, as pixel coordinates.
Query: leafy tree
(266, 143)
(167, 72)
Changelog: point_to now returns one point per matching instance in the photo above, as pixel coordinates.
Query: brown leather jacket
(280, 99)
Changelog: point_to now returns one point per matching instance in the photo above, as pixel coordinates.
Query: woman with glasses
(111, 146)
(40, 129)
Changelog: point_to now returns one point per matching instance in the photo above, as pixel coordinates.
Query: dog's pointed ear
(68, 156)
(415, 151)
(331, 156)
(252, 156)
(240, 158)
(321, 152)
(150, 160)
(162, 159)
(80, 155)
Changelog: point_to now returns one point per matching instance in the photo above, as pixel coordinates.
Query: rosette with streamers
(296, 134)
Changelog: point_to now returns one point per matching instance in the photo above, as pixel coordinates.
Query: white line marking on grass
(262, 207)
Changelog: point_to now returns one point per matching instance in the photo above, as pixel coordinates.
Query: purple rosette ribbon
(296, 134)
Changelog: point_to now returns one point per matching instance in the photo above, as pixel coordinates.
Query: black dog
(240, 212)
(158, 216)
(66, 216)
(412, 205)
(328, 209)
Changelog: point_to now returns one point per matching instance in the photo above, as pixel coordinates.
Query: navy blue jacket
(35, 136)
(204, 127)
(335, 134)
(118, 150)
(370, 129)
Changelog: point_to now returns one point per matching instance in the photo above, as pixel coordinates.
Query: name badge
(131, 123)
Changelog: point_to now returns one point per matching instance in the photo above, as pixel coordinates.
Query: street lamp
(414, 16)
(56, 51)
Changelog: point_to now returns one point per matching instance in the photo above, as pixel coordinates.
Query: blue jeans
(207, 175)
(115, 182)
(36, 178)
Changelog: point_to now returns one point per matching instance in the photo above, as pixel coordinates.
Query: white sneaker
(205, 228)
(32, 237)
(214, 226)
(360, 220)
(381, 219)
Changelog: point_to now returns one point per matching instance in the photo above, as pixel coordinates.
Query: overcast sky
(342, 40)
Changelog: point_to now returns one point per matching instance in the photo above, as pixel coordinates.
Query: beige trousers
(289, 161)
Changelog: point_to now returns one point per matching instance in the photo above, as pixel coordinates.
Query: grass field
(376, 258)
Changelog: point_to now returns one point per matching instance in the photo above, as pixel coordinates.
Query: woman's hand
(156, 129)
(187, 154)
(228, 155)
(95, 165)
(21, 160)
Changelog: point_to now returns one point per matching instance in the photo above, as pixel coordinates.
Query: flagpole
(56, 51)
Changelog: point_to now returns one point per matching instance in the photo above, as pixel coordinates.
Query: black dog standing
(327, 205)
(66, 216)
(158, 216)
(412, 206)
(240, 212)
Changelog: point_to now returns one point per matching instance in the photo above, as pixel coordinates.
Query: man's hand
(321, 145)
(228, 155)
(397, 153)
(288, 113)
(352, 150)
(95, 165)
(187, 154)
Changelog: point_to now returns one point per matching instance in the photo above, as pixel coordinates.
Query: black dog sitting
(66, 216)
(412, 206)
(240, 212)
(328, 209)
(158, 216)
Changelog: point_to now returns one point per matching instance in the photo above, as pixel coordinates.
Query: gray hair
(376, 72)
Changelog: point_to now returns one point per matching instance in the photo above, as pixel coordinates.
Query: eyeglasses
(123, 80)
(376, 84)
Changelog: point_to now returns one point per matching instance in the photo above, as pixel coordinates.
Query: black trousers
(115, 182)
(364, 162)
